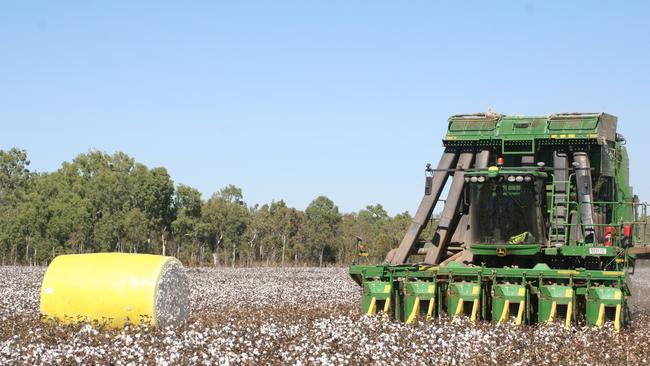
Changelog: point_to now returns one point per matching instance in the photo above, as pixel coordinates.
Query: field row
(295, 316)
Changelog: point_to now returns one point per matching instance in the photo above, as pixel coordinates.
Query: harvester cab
(539, 224)
(507, 210)
(513, 201)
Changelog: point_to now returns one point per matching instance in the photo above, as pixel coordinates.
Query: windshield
(505, 213)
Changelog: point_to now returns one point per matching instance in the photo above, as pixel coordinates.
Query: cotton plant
(295, 316)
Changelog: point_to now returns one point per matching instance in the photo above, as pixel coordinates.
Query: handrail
(640, 227)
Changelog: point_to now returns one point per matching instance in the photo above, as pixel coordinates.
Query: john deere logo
(501, 252)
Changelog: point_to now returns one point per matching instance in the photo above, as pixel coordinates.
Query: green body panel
(502, 293)
(623, 211)
(609, 297)
(364, 273)
(469, 292)
(379, 290)
(589, 250)
(562, 296)
(467, 129)
(419, 292)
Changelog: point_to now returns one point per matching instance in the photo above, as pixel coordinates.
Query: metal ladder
(559, 212)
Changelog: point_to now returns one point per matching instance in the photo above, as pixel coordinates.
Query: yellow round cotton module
(115, 288)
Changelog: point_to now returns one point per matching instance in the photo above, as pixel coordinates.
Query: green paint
(607, 296)
(561, 295)
(466, 291)
(424, 291)
(511, 265)
(515, 294)
(380, 290)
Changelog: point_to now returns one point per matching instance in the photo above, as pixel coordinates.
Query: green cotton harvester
(539, 225)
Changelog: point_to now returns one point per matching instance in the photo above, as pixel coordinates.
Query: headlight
(481, 179)
(519, 179)
(511, 179)
(474, 179)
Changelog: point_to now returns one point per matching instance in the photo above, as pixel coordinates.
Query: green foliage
(225, 217)
(377, 229)
(14, 175)
(322, 229)
(187, 201)
(102, 202)
(97, 202)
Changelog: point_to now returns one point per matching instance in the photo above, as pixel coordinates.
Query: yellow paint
(372, 309)
(569, 315)
(431, 289)
(617, 295)
(386, 289)
(102, 286)
(521, 292)
(493, 169)
(428, 268)
(571, 135)
(386, 307)
(568, 272)
(553, 136)
(568, 293)
(551, 317)
(520, 313)
(414, 312)
(612, 273)
(474, 316)
(430, 309)
(601, 316)
(505, 314)
(475, 290)
(617, 318)
(459, 307)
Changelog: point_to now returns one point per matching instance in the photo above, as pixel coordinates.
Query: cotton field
(298, 316)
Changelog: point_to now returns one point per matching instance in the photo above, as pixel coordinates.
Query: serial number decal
(596, 251)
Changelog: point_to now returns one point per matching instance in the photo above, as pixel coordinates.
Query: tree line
(100, 202)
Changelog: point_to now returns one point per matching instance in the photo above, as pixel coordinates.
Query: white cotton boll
(289, 316)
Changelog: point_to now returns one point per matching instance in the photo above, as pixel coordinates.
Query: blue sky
(295, 99)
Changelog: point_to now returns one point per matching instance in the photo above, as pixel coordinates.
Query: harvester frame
(537, 238)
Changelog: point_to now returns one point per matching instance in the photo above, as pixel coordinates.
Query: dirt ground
(301, 316)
